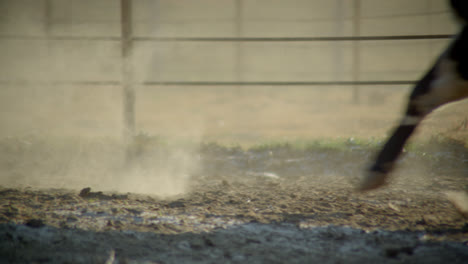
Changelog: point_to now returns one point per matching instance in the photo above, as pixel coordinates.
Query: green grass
(340, 144)
(81, 162)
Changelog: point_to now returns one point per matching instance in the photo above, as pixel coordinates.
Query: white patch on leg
(447, 87)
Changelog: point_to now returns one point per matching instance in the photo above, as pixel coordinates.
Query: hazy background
(88, 100)
(60, 64)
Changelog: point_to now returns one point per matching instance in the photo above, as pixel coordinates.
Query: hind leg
(440, 85)
(377, 174)
(384, 163)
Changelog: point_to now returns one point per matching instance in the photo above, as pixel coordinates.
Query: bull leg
(439, 86)
(446, 82)
(384, 163)
(388, 155)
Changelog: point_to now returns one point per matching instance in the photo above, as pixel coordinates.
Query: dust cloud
(61, 102)
(98, 163)
(61, 109)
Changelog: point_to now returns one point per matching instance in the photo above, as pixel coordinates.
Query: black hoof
(373, 180)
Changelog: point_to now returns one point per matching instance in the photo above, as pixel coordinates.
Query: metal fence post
(128, 90)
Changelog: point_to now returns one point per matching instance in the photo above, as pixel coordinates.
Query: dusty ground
(273, 204)
(213, 204)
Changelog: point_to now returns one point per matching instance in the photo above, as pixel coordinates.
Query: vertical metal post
(356, 50)
(127, 75)
(238, 49)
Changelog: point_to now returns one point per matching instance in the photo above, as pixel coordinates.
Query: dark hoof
(373, 180)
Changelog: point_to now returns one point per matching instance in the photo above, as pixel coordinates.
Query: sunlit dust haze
(61, 99)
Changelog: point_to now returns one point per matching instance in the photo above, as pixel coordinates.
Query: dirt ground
(272, 204)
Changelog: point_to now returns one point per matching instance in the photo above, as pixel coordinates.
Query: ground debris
(309, 213)
(88, 194)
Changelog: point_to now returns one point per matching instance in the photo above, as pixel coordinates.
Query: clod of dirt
(87, 193)
(35, 223)
(176, 204)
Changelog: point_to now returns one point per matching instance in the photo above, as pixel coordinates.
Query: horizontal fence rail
(214, 83)
(295, 39)
(235, 39)
(280, 83)
(225, 39)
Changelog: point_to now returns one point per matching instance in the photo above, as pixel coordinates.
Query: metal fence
(125, 30)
